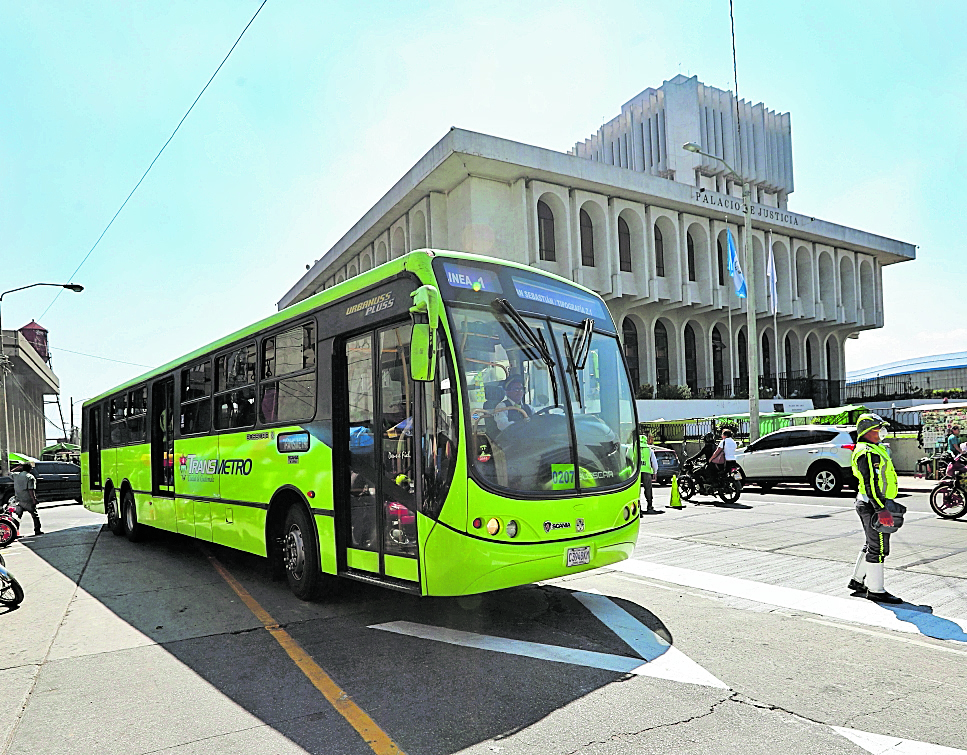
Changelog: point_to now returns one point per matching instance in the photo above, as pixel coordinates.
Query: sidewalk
(910, 484)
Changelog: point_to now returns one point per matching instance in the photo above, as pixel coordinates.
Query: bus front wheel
(300, 555)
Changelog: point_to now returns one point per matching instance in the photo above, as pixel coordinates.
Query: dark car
(668, 465)
(56, 481)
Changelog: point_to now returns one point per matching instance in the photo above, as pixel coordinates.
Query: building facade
(631, 215)
(937, 376)
(28, 381)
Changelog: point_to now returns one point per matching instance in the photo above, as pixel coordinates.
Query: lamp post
(5, 438)
(752, 343)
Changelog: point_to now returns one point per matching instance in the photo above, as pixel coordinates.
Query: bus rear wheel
(114, 521)
(300, 555)
(134, 530)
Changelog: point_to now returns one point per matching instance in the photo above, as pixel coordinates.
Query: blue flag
(735, 270)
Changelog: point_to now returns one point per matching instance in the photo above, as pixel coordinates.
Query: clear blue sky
(323, 106)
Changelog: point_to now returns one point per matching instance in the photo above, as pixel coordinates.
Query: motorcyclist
(701, 473)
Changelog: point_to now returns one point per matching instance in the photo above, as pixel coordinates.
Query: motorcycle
(949, 498)
(704, 479)
(9, 525)
(11, 593)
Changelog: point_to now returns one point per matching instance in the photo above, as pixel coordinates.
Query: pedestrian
(876, 481)
(25, 492)
(953, 441)
(649, 467)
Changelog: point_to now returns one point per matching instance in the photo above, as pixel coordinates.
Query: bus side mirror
(426, 310)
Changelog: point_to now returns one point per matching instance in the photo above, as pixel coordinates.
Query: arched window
(690, 247)
(788, 352)
(809, 358)
(629, 338)
(718, 367)
(721, 261)
(766, 356)
(662, 373)
(691, 360)
(659, 254)
(743, 361)
(624, 246)
(545, 232)
(587, 240)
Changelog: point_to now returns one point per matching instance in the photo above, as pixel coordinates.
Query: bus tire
(300, 554)
(133, 529)
(115, 522)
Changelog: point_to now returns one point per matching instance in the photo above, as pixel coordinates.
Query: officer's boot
(858, 582)
(874, 585)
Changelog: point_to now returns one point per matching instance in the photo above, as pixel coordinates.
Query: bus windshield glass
(529, 433)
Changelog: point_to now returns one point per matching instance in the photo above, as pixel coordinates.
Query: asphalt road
(730, 631)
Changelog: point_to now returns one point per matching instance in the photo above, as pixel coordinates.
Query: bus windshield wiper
(577, 354)
(527, 340)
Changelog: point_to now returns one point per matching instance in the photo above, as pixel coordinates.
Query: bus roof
(417, 261)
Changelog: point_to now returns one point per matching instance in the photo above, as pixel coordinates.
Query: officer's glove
(885, 517)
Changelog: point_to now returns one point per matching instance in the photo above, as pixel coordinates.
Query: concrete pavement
(138, 648)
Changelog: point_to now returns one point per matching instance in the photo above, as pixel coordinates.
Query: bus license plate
(579, 556)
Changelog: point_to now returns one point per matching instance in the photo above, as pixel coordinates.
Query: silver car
(817, 454)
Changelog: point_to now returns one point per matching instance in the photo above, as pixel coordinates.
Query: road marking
(846, 609)
(375, 737)
(665, 660)
(882, 745)
(909, 640)
(662, 661)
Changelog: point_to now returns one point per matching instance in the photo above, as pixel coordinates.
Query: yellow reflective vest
(883, 473)
(645, 450)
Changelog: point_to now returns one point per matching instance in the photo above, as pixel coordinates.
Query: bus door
(375, 489)
(163, 438)
(94, 447)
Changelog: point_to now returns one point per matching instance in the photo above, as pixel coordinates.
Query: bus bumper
(455, 564)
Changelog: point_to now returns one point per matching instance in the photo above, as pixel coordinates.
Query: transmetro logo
(196, 468)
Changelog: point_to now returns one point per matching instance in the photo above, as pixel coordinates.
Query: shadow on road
(929, 624)
(430, 697)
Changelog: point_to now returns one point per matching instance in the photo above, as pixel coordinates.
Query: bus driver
(512, 408)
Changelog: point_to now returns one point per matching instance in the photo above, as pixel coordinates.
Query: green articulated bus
(444, 424)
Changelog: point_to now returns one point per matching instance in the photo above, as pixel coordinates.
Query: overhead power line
(107, 227)
(95, 356)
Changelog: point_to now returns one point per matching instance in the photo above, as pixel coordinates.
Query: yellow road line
(375, 737)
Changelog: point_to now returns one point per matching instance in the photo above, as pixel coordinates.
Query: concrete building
(922, 377)
(633, 216)
(30, 379)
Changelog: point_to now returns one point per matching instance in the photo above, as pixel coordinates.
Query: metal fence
(895, 387)
(790, 385)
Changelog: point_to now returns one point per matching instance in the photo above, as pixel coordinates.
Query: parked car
(56, 481)
(817, 454)
(668, 465)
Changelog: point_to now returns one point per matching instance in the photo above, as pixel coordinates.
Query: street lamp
(4, 439)
(752, 343)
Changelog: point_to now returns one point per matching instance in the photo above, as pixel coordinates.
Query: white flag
(771, 280)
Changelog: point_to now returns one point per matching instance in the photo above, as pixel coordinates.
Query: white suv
(817, 454)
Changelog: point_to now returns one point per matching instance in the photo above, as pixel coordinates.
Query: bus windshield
(542, 420)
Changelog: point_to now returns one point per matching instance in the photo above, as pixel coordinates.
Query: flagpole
(731, 337)
(774, 296)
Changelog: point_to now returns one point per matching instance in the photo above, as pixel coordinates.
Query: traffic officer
(649, 466)
(876, 484)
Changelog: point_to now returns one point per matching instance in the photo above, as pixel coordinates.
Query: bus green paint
(454, 558)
